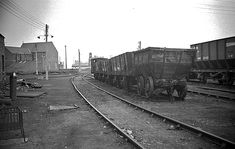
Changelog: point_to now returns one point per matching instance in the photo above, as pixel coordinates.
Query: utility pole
(65, 58)
(36, 58)
(46, 66)
(89, 61)
(79, 62)
(46, 62)
(139, 46)
(46, 32)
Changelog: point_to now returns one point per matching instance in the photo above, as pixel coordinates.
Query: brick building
(46, 53)
(17, 55)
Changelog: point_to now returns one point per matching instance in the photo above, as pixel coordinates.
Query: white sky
(111, 27)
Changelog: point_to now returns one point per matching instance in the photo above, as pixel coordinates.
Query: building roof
(18, 50)
(38, 46)
(2, 35)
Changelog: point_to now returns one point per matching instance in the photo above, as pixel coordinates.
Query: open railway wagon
(152, 70)
(98, 68)
(215, 60)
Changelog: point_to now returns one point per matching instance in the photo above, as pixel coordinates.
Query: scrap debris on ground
(62, 107)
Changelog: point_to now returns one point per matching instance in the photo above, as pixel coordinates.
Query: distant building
(61, 65)
(17, 55)
(75, 65)
(18, 60)
(46, 53)
(2, 57)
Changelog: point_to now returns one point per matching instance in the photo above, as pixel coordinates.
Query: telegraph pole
(89, 61)
(139, 46)
(79, 62)
(36, 58)
(46, 32)
(46, 61)
(65, 57)
(46, 35)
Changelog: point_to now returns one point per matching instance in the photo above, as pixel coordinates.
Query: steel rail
(217, 89)
(223, 95)
(138, 145)
(212, 137)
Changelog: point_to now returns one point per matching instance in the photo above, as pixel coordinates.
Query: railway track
(209, 91)
(216, 139)
(119, 130)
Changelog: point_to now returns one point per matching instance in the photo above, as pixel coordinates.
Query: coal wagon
(98, 67)
(162, 69)
(151, 70)
(215, 60)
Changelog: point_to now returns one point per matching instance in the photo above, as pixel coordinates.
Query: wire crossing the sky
(22, 14)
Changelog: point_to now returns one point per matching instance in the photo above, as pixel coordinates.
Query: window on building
(18, 58)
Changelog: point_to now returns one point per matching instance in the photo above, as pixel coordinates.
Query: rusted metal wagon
(152, 70)
(215, 60)
(159, 69)
(98, 67)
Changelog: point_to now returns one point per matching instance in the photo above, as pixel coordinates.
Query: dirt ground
(75, 128)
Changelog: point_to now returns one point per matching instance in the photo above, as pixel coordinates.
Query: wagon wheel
(182, 92)
(149, 87)
(140, 85)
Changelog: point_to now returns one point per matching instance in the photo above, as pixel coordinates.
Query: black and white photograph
(117, 74)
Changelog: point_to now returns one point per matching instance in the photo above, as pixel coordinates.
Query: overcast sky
(111, 27)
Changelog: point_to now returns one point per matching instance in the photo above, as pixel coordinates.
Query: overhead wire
(8, 7)
(216, 9)
(223, 7)
(26, 13)
(22, 15)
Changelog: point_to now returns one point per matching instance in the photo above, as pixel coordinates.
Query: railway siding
(212, 92)
(151, 132)
(207, 113)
